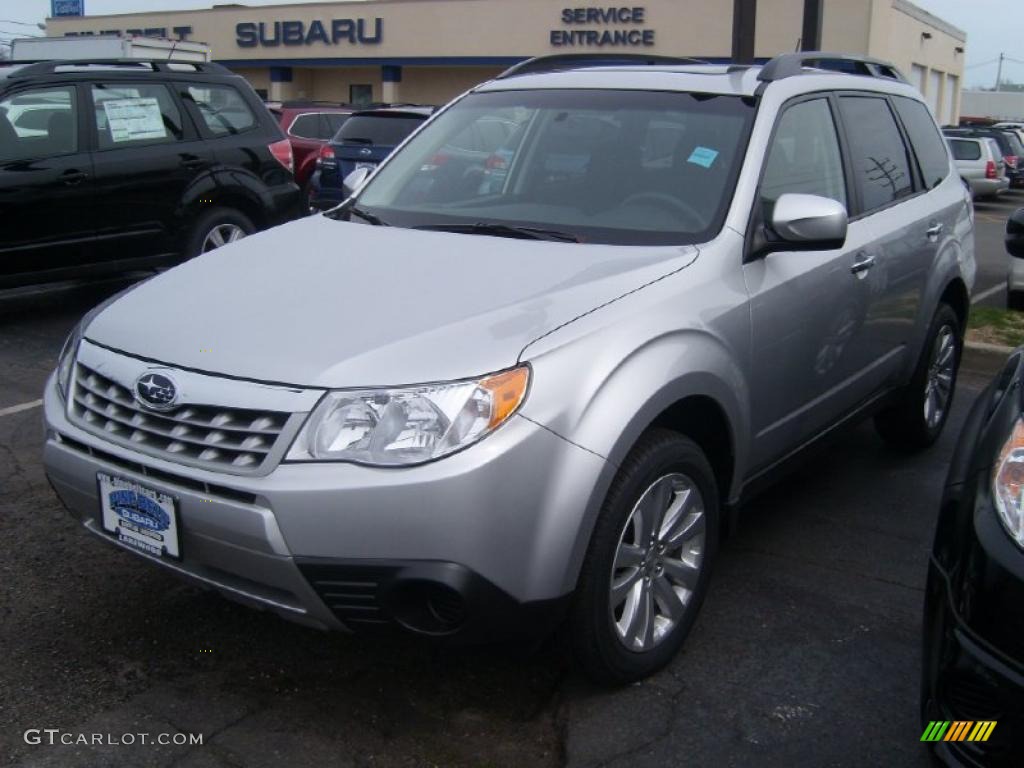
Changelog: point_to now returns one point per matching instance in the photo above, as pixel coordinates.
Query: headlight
(1008, 484)
(66, 361)
(408, 425)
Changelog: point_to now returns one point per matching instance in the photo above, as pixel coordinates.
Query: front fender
(613, 403)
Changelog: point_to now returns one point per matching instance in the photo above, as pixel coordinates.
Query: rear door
(147, 155)
(899, 223)
(47, 189)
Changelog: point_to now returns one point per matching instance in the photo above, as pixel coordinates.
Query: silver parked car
(536, 389)
(980, 164)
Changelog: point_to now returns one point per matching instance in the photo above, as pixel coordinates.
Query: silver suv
(527, 376)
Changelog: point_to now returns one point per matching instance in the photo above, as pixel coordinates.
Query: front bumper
(973, 667)
(476, 544)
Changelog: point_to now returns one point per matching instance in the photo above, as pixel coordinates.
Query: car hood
(319, 302)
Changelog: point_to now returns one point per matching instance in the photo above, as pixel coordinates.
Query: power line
(18, 33)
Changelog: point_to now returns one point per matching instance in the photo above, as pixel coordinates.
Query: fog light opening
(428, 607)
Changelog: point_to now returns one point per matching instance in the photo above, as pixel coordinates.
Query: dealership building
(427, 51)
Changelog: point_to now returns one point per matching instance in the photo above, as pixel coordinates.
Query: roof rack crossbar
(560, 61)
(792, 64)
(50, 66)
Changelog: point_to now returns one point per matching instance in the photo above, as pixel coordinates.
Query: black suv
(107, 166)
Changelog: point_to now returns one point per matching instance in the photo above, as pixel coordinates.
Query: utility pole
(810, 40)
(999, 72)
(744, 15)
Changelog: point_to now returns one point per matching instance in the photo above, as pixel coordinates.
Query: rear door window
(221, 108)
(932, 156)
(965, 149)
(38, 123)
(306, 126)
(129, 114)
(881, 168)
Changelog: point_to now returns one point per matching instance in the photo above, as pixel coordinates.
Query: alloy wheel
(657, 562)
(939, 382)
(220, 235)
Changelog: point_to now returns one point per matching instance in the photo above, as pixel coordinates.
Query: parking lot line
(988, 292)
(11, 410)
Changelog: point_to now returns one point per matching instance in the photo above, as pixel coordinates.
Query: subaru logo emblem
(365, 151)
(156, 390)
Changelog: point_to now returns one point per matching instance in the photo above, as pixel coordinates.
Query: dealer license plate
(140, 517)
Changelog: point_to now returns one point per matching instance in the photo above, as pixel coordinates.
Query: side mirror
(807, 223)
(1015, 234)
(355, 180)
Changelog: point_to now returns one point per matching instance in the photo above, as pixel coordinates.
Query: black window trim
(81, 127)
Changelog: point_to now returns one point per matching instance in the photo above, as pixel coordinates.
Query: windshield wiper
(504, 230)
(368, 217)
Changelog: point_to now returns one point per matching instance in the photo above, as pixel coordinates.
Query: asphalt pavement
(807, 650)
(990, 219)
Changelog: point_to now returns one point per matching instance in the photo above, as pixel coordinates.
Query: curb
(984, 359)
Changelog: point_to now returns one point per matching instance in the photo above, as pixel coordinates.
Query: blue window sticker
(702, 156)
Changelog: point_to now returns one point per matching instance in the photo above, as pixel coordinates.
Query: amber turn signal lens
(507, 392)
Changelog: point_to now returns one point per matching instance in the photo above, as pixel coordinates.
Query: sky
(992, 26)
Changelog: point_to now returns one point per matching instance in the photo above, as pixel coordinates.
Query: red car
(309, 125)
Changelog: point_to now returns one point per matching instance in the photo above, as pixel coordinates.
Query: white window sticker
(134, 119)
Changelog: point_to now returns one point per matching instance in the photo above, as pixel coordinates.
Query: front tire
(217, 227)
(916, 420)
(649, 561)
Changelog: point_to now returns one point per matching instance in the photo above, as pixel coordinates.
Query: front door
(46, 186)
(811, 349)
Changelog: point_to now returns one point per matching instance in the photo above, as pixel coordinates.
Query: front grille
(214, 437)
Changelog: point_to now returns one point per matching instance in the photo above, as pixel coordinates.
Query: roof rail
(50, 66)
(560, 61)
(791, 64)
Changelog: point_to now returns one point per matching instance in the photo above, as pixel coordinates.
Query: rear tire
(649, 561)
(216, 227)
(916, 419)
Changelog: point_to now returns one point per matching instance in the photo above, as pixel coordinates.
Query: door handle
(72, 177)
(862, 264)
(934, 230)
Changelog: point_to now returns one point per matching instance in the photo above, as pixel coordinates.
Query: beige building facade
(428, 51)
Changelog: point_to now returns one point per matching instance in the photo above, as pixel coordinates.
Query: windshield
(625, 167)
(382, 130)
